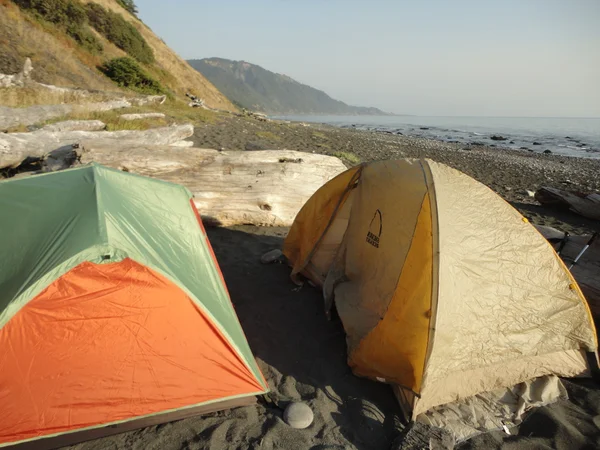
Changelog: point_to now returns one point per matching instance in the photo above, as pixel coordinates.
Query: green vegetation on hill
(129, 5)
(67, 14)
(120, 32)
(255, 88)
(128, 73)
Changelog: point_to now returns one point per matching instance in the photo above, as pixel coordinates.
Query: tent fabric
(111, 303)
(442, 287)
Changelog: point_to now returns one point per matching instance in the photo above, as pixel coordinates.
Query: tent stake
(594, 236)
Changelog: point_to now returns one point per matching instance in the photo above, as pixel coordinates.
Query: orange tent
(113, 311)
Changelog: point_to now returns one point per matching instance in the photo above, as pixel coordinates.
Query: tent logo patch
(375, 228)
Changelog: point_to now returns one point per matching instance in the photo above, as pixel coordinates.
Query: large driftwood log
(587, 269)
(260, 188)
(16, 147)
(586, 206)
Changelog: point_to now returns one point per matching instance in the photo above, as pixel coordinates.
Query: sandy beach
(303, 355)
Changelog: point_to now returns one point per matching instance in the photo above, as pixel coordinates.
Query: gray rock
(498, 138)
(547, 152)
(271, 256)
(298, 415)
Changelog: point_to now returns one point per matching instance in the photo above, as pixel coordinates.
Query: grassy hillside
(67, 49)
(255, 88)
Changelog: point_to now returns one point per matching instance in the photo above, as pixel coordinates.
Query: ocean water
(563, 136)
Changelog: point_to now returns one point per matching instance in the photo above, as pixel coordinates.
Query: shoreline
(513, 174)
(495, 132)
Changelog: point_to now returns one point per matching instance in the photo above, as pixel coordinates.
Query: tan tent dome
(444, 290)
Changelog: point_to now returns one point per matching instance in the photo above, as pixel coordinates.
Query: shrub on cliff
(126, 72)
(120, 32)
(69, 15)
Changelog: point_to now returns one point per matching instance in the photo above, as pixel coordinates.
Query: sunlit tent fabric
(444, 290)
(112, 308)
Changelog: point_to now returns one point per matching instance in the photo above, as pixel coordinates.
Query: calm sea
(564, 136)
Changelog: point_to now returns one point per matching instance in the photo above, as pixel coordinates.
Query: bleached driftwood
(76, 125)
(586, 206)
(12, 117)
(587, 269)
(265, 188)
(16, 147)
(142, 116)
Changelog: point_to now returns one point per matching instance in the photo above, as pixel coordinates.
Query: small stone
(298, 415)
(271, 257)
(536, 143)
(498, 138)
(530, 193)
(547, 152)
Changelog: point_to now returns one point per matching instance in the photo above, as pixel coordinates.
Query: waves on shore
(563, 136)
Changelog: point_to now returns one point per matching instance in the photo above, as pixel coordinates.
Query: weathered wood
(76, 125)
(16, 147)
(587, 270)
(142, 116)
(12, 117)
(265, 188)
(586, 206)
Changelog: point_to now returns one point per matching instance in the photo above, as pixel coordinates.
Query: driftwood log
(12, 117)
(265, 188)
(16, 147)
(584, 205)
(587, 269)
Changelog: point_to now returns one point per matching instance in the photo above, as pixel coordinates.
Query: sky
(520, 58)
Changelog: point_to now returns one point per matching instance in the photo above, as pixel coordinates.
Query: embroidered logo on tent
(374, 233)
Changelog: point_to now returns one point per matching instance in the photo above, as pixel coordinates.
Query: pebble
(271, 256)
(298, 415)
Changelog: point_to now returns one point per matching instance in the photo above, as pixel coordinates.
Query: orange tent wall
(107, 343)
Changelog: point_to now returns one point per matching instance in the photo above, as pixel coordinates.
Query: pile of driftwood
(586, 205)
(231, 187)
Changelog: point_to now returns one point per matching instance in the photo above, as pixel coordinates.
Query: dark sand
(303, 356)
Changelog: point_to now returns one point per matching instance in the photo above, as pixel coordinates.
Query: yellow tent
(444, 290)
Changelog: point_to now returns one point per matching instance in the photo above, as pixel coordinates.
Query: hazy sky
(436, 57)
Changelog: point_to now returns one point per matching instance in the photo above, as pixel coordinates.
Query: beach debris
(19, 79)
(298, 415)
(142, 116)
(271, 256)
(582, 204)
(195, 101)
(76, 125)
(255, 115)
(498, 138)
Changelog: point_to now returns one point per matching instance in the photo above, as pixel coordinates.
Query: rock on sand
(298, 415)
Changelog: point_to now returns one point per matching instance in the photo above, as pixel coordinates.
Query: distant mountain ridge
(250, 86)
